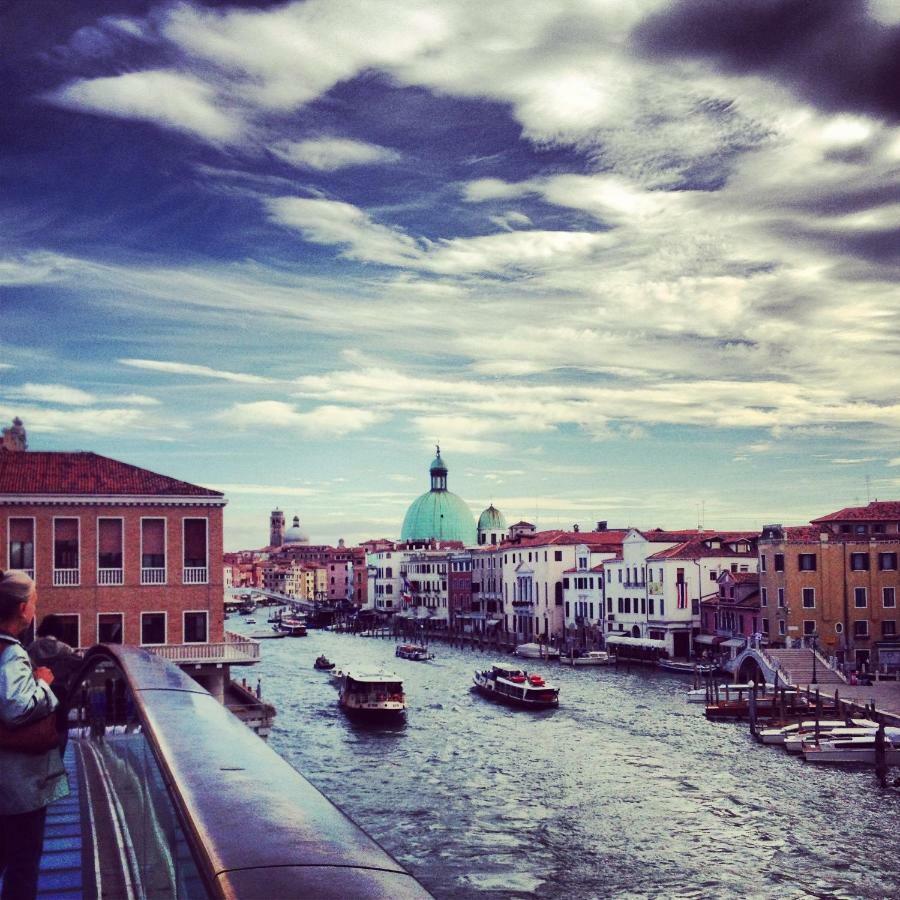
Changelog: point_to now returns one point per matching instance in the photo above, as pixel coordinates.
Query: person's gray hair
(15, 589)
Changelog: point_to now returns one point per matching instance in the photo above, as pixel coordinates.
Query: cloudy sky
(627, 261)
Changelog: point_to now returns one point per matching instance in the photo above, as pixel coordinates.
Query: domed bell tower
(438, 472)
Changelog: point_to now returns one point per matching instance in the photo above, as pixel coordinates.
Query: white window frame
(764, 596)
(205, 520)
(807, 632)
(803, 591)
(109, 612)
(165, 580)
(187, 612)
(77, 582)
(34, 544)
(76, 614)
(97, 554)
(154, 612)
(782, 630)
(865, 596)
(856, 633)
(884, 591)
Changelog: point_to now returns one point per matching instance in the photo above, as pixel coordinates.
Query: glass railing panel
(134, 842)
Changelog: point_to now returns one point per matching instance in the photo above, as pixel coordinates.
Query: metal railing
(66, 577)
(202, 806)
(153, 576)
(110, 576)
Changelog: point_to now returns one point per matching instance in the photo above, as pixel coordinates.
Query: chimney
(601, 526)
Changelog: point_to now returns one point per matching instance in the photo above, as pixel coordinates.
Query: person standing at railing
(29, 780)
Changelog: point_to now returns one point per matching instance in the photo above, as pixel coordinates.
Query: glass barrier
(132, 840)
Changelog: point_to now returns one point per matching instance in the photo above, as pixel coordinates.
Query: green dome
(492, 520)
(441, 515)
(438, 515)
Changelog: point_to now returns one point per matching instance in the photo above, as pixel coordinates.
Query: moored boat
(372, 695)
(515, 686)
(792, 735)
(537, 651)
(854, 749)
(588, 658)
(414, 652)
(686, 667)
(729, 691)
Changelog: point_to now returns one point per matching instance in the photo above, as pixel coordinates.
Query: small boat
(855, 749)
(372, 695)
(512, 685)
(686, 667)
(414, 652)
(293, 626)
(267, 635)
(797, 743)
(588, 658)
(323, 663)
(537, 651)
(249, 621)
(793, 733)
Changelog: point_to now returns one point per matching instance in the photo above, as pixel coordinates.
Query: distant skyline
(625, 261)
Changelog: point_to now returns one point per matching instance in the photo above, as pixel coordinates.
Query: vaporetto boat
(374, 695)
(516, 687)
(413, 652)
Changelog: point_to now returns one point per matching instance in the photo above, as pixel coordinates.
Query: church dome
(295, 534)
(440, 514)
(492, 520)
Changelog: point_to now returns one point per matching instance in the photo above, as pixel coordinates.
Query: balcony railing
(631, 584)
(29, 573)
(65, 577)
(235, 649)
(110, 576)
(195, 575)
(153, 576)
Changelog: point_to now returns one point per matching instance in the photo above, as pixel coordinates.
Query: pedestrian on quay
(30, 780)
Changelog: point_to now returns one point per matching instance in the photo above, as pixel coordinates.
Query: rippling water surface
(624, 790)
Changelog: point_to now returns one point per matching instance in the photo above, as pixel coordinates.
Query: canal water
(624, 790)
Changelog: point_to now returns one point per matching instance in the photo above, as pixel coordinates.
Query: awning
(734, 642)
(627, 641)
(706, 639)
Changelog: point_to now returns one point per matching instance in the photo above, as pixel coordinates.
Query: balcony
(235, 650)
(635, 584)
(66, 577)
(110, 576)
(523, 602)
(194, 575)
(153, 576)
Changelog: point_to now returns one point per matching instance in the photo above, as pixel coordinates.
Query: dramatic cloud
(166, 98)
(323, 421)
(833, 53)
(53, 393)
(173, 368)
(330, 154)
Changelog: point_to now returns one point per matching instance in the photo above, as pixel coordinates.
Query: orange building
(835, 582)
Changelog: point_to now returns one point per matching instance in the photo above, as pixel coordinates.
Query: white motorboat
(537, 651)
(515, 686)
(588, 658)
(856, 749)
(797, 743)
(372, 695)
(414, 652)
(781, 735)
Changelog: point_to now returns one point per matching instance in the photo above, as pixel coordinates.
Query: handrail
(257, 827)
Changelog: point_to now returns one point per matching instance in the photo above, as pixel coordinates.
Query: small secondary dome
(295, 534)
(439, 514)
(492, 520)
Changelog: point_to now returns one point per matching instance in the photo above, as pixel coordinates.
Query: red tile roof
(610, 539)
(802, 533)
(86, 474)
(697, 547)
(876, 511)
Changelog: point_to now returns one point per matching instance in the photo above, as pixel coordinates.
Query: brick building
(122, 555)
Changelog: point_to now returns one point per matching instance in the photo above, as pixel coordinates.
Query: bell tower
(276, 528)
